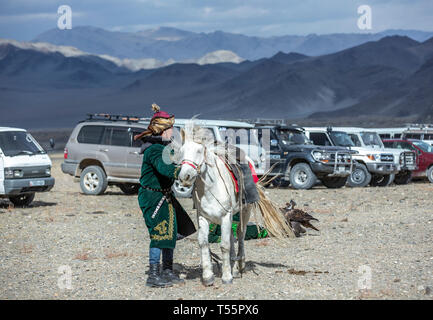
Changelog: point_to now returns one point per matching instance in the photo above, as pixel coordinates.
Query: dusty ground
(104, 243)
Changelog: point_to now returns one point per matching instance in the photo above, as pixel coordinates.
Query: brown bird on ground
(297, 218)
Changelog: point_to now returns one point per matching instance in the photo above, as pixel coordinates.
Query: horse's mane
(201, 135)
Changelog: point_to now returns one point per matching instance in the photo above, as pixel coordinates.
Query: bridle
(197, 167)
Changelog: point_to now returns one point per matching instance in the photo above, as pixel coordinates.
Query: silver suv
(101, 151)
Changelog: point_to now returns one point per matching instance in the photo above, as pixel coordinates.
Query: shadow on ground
(34, 204)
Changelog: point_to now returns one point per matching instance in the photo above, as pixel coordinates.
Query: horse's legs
(226, 230)
(203, 241)
(240, 233)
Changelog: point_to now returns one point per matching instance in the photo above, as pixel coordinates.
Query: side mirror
(274, 143)
(52, 143)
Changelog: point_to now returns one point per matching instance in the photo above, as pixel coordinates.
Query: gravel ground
(103, 241)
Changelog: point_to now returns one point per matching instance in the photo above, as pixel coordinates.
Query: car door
(2, 171)
(112, 151)
(133, 157)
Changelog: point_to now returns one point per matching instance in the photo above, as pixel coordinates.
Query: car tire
(360, 177)
(430, 174)
(93, 181)
(302, 177)
(334, 182)
(181, 191)
(129, 188)
(382, 181)
(22, 200)
(403, 177)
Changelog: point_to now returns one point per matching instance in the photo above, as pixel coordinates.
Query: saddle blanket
(253, 173)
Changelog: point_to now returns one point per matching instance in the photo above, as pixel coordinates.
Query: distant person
(163, 214)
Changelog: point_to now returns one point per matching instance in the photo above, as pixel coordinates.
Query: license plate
(36, 183)
(275, 156)
(341, 169)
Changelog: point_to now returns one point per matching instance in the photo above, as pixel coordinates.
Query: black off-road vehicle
(299, 163)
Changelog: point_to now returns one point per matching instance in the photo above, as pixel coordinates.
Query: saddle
(242, 173)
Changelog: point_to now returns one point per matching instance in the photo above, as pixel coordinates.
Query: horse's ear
(182, 134)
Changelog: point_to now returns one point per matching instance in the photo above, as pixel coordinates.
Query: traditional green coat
(156, 174)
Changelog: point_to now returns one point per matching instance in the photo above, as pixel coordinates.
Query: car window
(120, 137)
(355, 140)
(390, 144)
(15, 143)
(428, 136)
(319, 138)
(90, 134)
(412, 136)
(423, 146)
(116, 136)
(133, 132)
(341, 139)
(371, 139)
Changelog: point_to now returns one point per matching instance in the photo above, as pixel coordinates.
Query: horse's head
(192, 154)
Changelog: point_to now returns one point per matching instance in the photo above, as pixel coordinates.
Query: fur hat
(160, 122)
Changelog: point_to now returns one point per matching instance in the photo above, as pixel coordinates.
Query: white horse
(216, 201)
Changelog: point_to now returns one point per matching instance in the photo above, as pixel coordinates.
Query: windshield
(293, 137)
(423, 146)
(341, 139)
(14, 143)
(371, 139)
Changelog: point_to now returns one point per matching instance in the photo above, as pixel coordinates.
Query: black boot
(155, 280)
(169, 275)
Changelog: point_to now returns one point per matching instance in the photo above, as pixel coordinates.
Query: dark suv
(300, 163)
(101, 151)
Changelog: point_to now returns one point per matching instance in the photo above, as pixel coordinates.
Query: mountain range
(166, 43)
(392, 76)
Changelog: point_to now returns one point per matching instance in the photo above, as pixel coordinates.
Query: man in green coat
(161, 210)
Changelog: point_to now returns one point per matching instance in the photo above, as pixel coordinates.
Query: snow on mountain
(219, 56)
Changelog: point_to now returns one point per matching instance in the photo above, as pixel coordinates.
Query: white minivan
(25, 167)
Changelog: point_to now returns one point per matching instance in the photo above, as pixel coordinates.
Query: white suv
(376, 165)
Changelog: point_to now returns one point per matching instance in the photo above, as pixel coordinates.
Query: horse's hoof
(208, 282)
(228, 281)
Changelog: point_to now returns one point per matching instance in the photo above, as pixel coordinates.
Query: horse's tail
(273, 220)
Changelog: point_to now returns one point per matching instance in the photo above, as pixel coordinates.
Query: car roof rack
(113, 117)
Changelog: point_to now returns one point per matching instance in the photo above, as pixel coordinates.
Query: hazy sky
(24, 19)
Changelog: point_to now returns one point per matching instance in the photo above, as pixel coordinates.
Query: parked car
(101, 151)
(374, 164)
(404, 161)
(25, 168)
(298, 162)
(424, 151)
